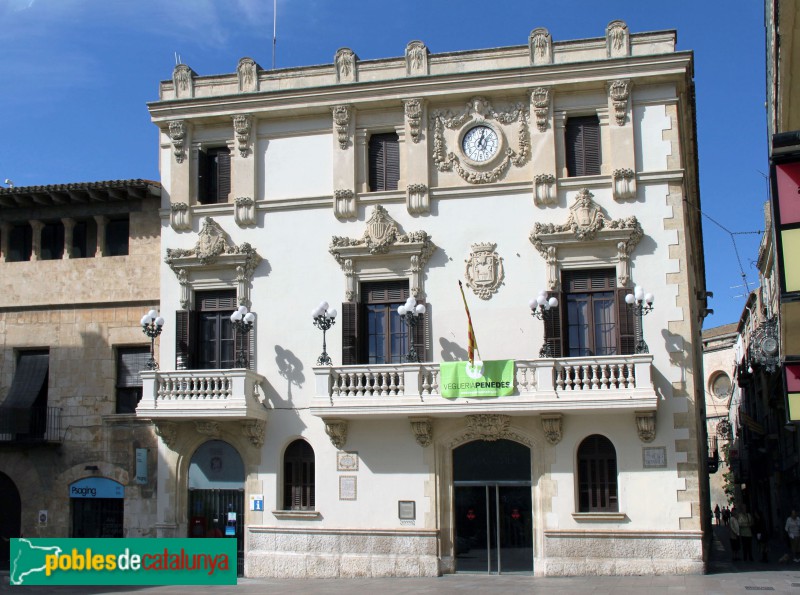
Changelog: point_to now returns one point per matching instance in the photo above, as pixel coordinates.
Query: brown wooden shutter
(392, 162)
(203, 177)
(376, 170)
(626, 324)
(384, 162)
(350, 351)
(251, 348)
(591, 147)
(183, 334)
(223, 175)
(422, 332)
(553, 334)
(582, 145)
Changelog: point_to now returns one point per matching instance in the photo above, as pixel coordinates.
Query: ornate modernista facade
(566, 167)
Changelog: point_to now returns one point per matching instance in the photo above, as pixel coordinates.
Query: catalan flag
(472, 345)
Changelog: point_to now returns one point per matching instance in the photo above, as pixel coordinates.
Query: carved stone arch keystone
(490, 427)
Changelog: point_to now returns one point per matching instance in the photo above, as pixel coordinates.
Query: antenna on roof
(9, 183)
(274, 30)
(178, 59)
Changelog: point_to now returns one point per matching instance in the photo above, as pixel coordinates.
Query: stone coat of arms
(484, 270)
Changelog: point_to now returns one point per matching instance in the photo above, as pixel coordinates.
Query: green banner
(123, 561)
(485, 379)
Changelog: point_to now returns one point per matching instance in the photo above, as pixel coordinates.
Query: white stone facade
(320, 233)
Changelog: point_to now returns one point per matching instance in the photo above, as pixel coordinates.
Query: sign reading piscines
(483, 379)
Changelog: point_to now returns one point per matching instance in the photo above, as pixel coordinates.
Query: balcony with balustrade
(210, 395)
(563, 385)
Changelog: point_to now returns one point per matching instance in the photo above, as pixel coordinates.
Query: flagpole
(472, 347)
(274, 30)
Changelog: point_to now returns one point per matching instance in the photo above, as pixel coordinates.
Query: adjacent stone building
(78, 267)
(352, 442)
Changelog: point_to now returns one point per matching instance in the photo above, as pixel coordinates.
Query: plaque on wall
(654, 456)
(347, 461)
(348, 487)
(407, 510)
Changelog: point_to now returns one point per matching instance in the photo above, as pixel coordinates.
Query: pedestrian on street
(717, 513)
(733, 535)
(792, 528)
(746, 533)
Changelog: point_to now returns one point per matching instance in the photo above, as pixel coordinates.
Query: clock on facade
(480, 143)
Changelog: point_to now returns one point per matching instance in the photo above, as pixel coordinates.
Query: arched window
(298, 476)
(721, 385)
(597, 475)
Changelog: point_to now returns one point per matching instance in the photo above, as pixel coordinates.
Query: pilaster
(36, 239)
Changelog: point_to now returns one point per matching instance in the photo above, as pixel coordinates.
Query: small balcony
(30, 425)
(565, 385)
(219, 395)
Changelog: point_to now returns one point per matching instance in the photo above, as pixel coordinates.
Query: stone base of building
(592, 553)
(340, 553)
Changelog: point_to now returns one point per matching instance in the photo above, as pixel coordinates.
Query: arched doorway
(216, 494)
(493, 512)
(10, 519)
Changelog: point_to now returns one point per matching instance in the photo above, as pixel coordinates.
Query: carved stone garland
(618, 42)
(490, 427)
(214, 249)
(422, 427)
(336, 429)
(241, 126)
(207, 428)
(619, 91)
(544, 190)
(541, 105)
(479, 110)
(484, 271)
(382, 236)
(552, 426)
(417, 199)
(413, 111)
(586, 222)
(244, 211)
(624, 184)
(180, 217)
(646, 425)
(177, 134)
(341, 121)
(183, 79)
(255, 430)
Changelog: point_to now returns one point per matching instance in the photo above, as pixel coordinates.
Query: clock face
(480, 143)
(770, 346)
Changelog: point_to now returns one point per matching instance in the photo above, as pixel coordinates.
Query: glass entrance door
(492, 507)
(494, 532)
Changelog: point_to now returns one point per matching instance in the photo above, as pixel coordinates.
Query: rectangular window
(20, 245)
(81, 247)
(215, 348)
(117, 236)
(52, 242)
(214, 176)
(130, 361)
(25, 405)
(384, 162)
(582, 144)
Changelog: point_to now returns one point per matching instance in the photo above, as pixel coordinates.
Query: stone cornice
(318, 99)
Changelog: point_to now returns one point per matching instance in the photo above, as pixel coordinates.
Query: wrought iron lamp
(152, 325)
(242, 321)
(641, 304)
(410, 312)
(324, 318)
(541, 308)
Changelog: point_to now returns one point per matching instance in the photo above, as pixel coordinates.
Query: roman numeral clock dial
(480, 143)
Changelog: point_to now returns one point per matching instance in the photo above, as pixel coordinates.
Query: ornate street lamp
(410, 312)
(324, 318)
(641, 304)
(152, 325)
(242, 321)
(541, 308)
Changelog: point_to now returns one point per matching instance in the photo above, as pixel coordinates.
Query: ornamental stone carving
(619, 91)
(484, 270)
(544, 190)
(255, 430)
(480, 110)
(422, 427)
(167, 431)
(417, 200)
(487, 427)
(177, 134)
(586, 223)
(646, 425)
(247, 72)
(344, 204)
(416, 58)
(241, 126)
(345, 62)
(341, 122)
(180, 216)
(624, 184)
(336, 429)
(244, 211)
(540, 46)
(552, 426)
(618, 41)
(413, 111)
(183, 80)
(541, 105)
(207, 428)
(382, 236)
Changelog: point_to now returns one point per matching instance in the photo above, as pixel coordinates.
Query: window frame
(117, 229)
(299, 476)
(586, 159)
(214, 174)
(126, 393)
(20, 249)
(597, 488)
(383, 161)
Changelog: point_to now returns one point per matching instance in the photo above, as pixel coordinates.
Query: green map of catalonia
(29, 559)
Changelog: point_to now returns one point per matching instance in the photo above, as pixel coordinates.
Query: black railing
(30, 424)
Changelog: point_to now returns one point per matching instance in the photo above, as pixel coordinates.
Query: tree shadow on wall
(290, 368)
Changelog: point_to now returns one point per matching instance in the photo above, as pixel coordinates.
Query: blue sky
(77, 74)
